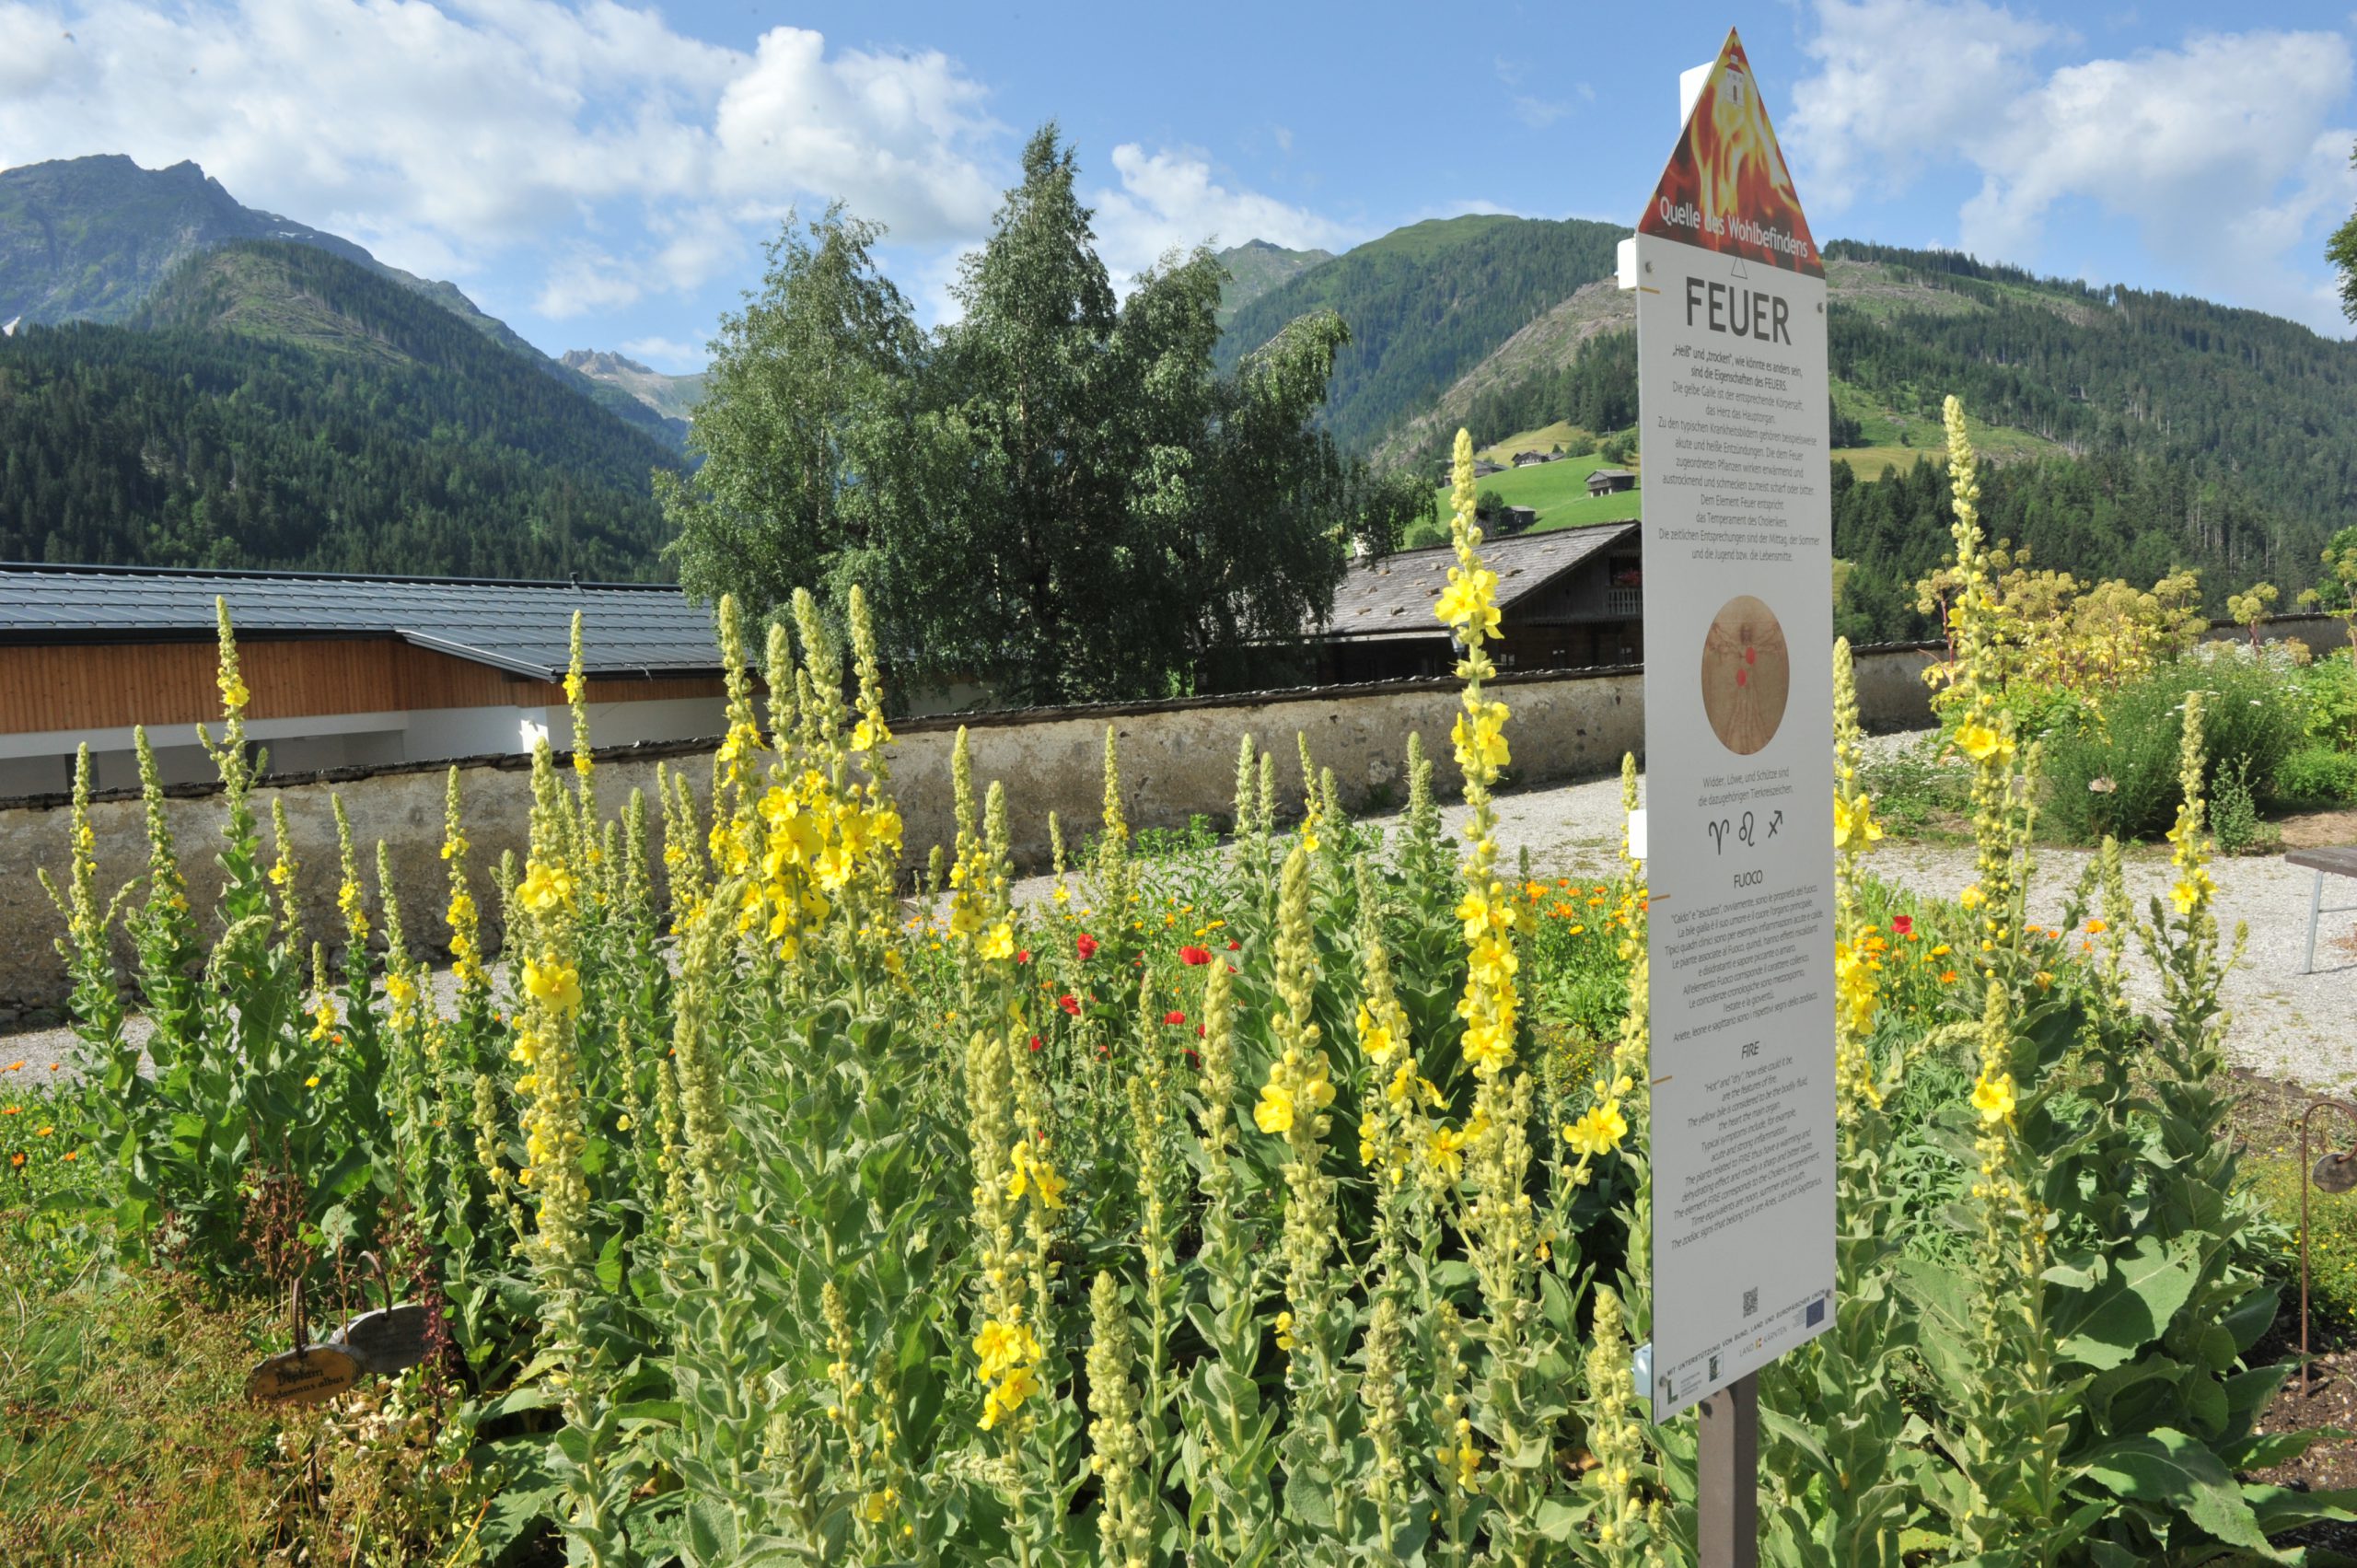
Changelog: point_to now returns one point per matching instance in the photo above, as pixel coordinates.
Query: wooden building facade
(1567, 599)
(343, 671)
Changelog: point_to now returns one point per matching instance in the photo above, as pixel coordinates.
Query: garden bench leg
(2316, 912)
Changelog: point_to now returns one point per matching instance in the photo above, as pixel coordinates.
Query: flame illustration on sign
(1726, 188)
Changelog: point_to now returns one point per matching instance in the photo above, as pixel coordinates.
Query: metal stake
(2307, 1380)
(1729, 1473)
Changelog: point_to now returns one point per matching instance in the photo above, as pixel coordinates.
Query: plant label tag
(390, 1340)
(305, 1377)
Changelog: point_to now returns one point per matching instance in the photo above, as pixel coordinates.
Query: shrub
(2317, 775)
(2236, 816)
(1915, 783)
(2117, 774)
(2329, 687)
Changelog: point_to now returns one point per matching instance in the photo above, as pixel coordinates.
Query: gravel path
(2286, 1025)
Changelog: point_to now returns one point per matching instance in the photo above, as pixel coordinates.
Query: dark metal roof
(1392, 597)
(627, 629)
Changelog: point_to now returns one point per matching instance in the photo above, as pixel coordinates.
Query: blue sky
(604, 176)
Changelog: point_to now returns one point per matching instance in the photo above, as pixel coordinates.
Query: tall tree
(2341, 251)
(806, 399)
(1057, 496)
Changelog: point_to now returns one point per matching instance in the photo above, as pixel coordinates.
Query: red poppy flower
(1035, 1042)
(1070, 1003)
(1903, 924)
(1088, 946)
(1174, 1017)
(1104, 1051)
(1233, 946)
(1199, 1031)
(1024, 957)
(1194, 955)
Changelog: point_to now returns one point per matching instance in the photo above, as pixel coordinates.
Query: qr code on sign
(1751, 1301)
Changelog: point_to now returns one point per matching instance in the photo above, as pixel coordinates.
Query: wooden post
(1727, 1467)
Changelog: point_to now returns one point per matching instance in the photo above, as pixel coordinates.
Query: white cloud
(2197, 146)
(2223, 153)
(668, 355)
(903, 134)
(1170, 200)
(1899, 82)
(446, 134)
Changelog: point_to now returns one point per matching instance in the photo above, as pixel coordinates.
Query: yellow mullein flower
(1273, 1114)
(1994, 1097)
(558, 984)
(1465, 603)
(1000, 943)
(546, 888)
(1028, 1172)
(1600, 1132)
(1858, 819)
(1979, 742)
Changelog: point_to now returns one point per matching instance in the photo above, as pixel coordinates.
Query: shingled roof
(1392, 595)
(628, 628)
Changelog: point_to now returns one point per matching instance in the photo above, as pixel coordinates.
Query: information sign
(1732, 380)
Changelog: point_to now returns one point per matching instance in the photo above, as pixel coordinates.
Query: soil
(2317, 829)
(2268, 1116)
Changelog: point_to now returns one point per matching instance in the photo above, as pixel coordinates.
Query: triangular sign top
(1726, 188)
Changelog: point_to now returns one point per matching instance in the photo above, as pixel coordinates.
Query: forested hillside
(1424, 304)
(1255, 267)
(274, 405)
(2132, 431)
(87, 240)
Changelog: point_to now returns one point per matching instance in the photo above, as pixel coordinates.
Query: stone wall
(1178, 761)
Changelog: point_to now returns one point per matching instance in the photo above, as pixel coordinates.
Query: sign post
(1733, 398)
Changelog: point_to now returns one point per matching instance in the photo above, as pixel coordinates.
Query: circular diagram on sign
(1746, 675)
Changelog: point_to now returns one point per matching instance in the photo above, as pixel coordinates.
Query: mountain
(2129, 431)
(1424, 304)
(86, 238)
(271, 403)
(673, 397)
(1255, 267)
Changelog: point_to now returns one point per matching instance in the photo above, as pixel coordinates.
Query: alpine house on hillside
(1567, 600)
(345, 671)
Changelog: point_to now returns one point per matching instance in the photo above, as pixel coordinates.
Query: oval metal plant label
(303, 1377)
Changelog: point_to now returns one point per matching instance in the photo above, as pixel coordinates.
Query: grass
(1892, 439)
(124, 1433)
(1559, 492)
(125, 1437)
(1547, 437)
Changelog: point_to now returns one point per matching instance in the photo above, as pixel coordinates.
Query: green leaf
(2251, 1318)
(2104, 1325)
(710, 1534)
(2173, 1473)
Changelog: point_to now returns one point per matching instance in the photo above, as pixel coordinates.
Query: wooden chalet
(1567, 599)
(1608, 482)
